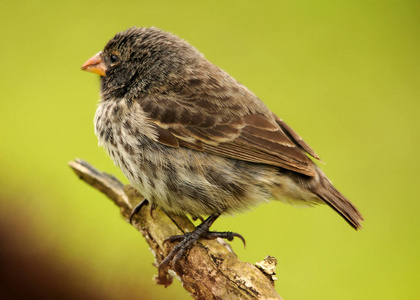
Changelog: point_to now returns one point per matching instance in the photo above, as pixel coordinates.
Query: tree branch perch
(210, 270)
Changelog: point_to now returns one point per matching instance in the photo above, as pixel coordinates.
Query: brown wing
(230, 122)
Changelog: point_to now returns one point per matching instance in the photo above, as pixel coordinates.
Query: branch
(210, 269)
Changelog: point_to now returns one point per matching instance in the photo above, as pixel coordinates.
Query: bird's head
(140, 60)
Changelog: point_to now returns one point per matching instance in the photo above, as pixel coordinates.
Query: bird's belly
(181, 180)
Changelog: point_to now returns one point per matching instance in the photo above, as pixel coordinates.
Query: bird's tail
(338, 202)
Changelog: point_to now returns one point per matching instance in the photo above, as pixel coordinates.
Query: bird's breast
(123, 130)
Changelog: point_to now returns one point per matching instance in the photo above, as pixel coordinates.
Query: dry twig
(209, 270)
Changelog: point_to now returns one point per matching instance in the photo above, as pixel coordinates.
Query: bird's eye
(114, 58)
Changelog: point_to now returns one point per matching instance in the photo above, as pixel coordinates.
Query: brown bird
(193, 140)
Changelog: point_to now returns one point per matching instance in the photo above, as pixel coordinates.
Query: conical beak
(95, 64)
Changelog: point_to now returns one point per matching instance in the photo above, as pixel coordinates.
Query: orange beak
(95, 64)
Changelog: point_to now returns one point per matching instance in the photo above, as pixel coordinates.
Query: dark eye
(114, 58)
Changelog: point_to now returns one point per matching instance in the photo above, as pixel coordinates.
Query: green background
(344, 74)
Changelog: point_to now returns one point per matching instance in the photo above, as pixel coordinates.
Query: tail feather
(338, 202)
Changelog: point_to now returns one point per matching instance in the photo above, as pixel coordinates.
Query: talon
(136, 210)
(225, 235)
(239, 236)
(152, 208)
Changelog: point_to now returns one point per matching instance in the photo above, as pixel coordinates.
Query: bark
(210, 269)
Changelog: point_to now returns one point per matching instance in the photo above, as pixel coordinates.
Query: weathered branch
(209, 270)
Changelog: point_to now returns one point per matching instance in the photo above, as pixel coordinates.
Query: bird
(193, 140)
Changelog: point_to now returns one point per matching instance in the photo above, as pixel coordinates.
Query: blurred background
(344, 74)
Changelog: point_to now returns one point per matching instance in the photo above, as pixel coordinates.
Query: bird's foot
(187, 240)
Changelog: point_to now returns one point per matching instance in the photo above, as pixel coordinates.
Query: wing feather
(233, 123)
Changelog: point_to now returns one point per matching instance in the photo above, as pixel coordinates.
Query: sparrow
(193, 140)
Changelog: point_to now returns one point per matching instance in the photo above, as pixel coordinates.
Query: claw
(152, 208)
(136, 210)
(241, 237)
(225, 235)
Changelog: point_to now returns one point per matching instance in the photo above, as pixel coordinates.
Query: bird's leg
(189, 238)
(136, 209)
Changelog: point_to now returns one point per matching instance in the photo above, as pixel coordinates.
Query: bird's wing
(233, 124)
